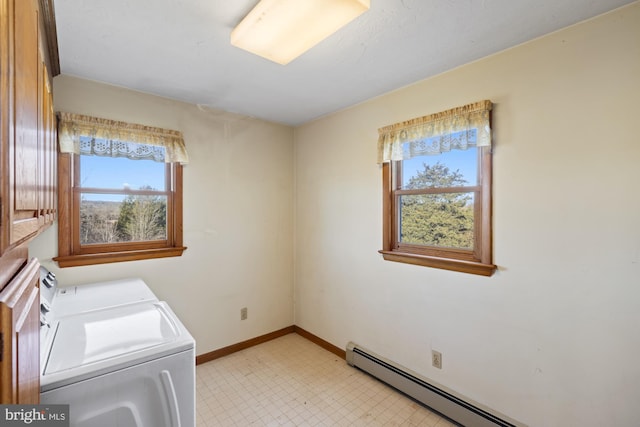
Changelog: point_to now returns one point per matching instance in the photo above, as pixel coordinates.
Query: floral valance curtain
(96, 136)
(458, 128)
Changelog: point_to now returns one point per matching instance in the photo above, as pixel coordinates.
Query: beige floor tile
(291, 381)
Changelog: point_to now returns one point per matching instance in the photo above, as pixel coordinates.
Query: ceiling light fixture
(282, 30)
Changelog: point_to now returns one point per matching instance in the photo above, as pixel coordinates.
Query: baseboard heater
(435, 397)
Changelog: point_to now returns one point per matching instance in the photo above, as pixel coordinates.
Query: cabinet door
(20, 329)
(6, 115)
(50, 183)
(24, 154)
(47, 153)
(28, 146)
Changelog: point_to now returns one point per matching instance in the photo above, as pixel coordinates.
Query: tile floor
(291, 381)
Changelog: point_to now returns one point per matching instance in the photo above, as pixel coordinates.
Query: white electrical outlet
(243, 313)
(436, 359)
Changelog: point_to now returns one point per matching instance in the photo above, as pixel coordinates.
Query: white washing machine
(116, 355)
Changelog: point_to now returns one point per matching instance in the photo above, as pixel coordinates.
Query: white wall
(552, 339)
(238, 216)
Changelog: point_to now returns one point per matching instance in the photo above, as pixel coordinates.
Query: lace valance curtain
(458, 128)
(95, 136)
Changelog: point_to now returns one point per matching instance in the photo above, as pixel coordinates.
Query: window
(119, 191)
(437, 190)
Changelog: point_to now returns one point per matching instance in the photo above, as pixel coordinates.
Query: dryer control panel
(48, 287)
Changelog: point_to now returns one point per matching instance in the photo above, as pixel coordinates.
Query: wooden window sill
(462, 266)
(105, 258)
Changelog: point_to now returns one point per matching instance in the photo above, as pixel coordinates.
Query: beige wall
(238, 216)
(552, 339)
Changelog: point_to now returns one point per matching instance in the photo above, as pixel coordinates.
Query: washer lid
(111, 333)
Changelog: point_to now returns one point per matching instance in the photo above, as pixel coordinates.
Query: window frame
(475, 261)
(72, 253)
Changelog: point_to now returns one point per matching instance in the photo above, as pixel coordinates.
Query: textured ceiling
(180, 49)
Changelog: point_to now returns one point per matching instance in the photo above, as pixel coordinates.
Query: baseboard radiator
(435, 397)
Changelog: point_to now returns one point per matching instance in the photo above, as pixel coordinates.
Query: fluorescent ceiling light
(282, 30)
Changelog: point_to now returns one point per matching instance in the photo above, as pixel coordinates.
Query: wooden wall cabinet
(28, 179)
(20, 337)
(28, 127)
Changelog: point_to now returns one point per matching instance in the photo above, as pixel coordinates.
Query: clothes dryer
(116, 355)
